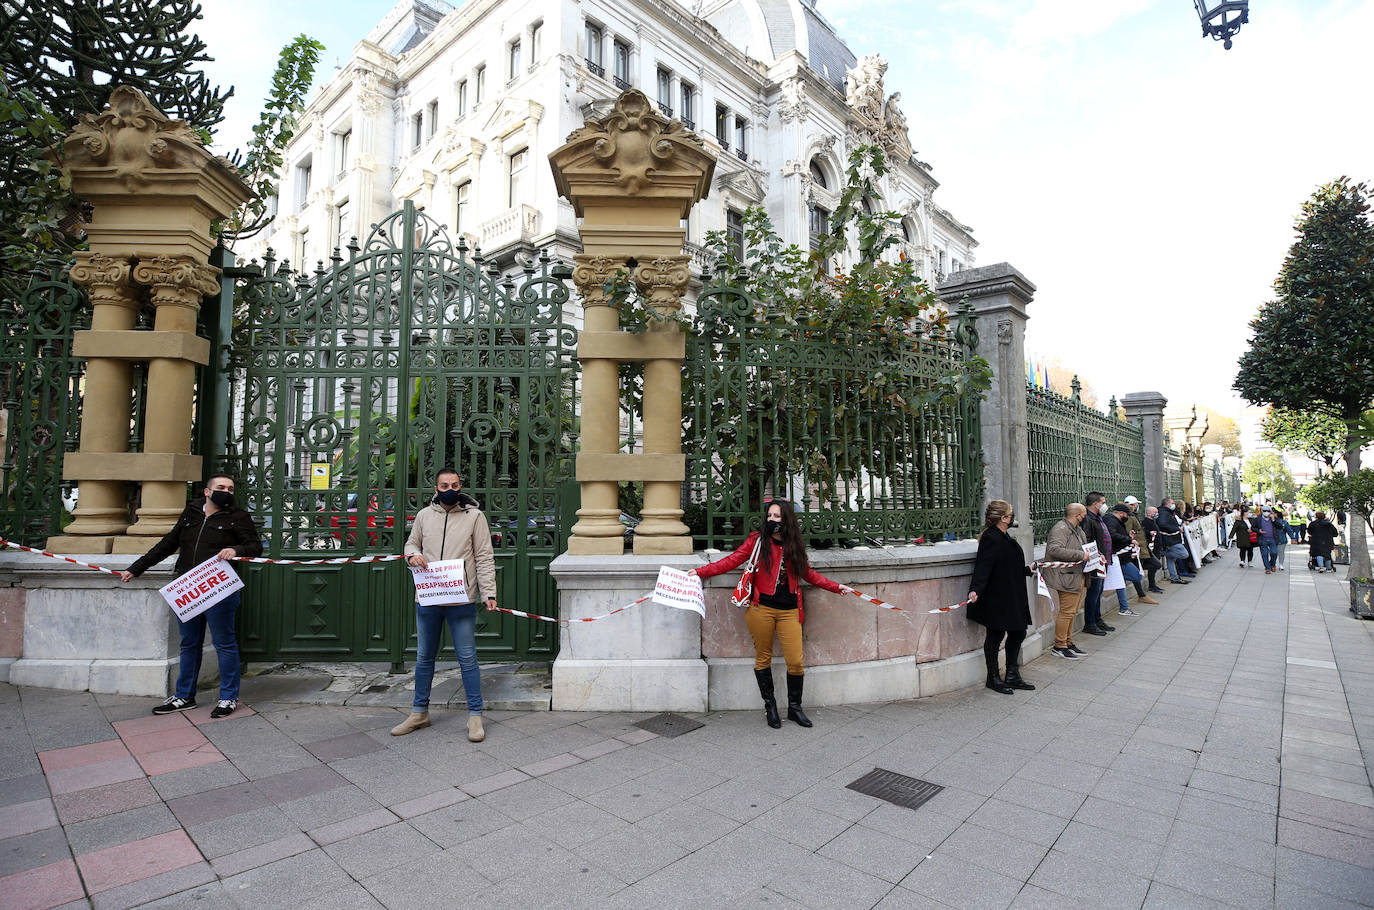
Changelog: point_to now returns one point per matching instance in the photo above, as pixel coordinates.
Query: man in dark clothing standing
(1171, 544)
(210, 526)
(1096, 533)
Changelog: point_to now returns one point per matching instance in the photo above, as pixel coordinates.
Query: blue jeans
(462, 626)
(1269, 551)
(220, 619)
(1293, 534)
(1131, 573)
(1092, 602)
(1321, 562)
(1173, 556)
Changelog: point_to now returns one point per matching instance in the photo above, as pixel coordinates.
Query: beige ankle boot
(415, 721)
(475, 732)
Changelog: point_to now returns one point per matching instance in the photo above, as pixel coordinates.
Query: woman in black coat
(1321, 539)
(997, 596)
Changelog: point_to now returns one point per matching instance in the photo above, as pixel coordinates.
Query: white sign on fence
(442, 583)
(675, 588)
(201, 588)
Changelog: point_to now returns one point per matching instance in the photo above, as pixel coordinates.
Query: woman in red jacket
(776, 607)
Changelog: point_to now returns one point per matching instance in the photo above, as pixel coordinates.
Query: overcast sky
(1145, 179)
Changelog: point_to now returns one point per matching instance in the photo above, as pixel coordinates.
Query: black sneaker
(1064, 653)
(1177, 581)
(1155, 590)
(1077, 650)
(1106, 628)
(174, 704)
(224, 708)
(1094, 631)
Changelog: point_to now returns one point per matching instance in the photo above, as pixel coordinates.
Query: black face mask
(222, 499)
(771, 527)
(447, 497)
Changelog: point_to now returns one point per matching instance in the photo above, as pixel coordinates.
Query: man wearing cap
(1136, 527)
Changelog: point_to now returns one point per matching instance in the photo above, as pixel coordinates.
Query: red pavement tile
(180, 758)
(201, 716)
(26, 818)
(98, 802)
(76, 756)
(133, 862)
(38, 889)
(69, 780)
(144, 743)
(153, 723)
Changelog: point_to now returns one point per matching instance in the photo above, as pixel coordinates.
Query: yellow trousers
(1069, 602)
(763, 623)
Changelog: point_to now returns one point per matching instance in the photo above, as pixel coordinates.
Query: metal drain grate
(896, 788)
(669, 725)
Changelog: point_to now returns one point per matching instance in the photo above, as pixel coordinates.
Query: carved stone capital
(663, 281)
(132, 137)
(177, 280)
(106, 278)
(590, 276)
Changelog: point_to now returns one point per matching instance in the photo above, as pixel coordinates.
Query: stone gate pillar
(632, 176)
(154, 190)
(1146, 410)
(999, 295)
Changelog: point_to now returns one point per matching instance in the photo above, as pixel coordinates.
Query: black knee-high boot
(1014, 680)
(770, 702)
(794, 697)
(991, 645)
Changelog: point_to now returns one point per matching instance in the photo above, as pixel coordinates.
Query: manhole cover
(669, 725)
(896, 788)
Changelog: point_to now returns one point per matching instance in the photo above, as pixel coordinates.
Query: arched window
(818, 175)
(907, 234)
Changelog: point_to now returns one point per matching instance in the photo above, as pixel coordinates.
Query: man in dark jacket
(1122, 541)
(1096, 533)
(1171, 545)
(210, 526)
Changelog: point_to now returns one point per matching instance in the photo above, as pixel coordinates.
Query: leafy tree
(1265, 471)
(1318, 436)
(1222, 430)
(1312, 347)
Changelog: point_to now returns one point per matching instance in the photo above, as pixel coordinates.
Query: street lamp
(1222, 20)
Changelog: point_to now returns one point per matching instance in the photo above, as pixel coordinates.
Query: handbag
(744, 588)
(1254, 538)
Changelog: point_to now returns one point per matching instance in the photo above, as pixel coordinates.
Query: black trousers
(993, 643)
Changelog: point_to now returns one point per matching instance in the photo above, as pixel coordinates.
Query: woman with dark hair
(1240, 533)
(775, 607)
(997, 596)
(1321, 540)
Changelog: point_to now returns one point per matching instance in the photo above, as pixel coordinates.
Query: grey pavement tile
(1209, 813)
(292, 785)
(823, 883)
(579, 885)
(553, 763)
(212, 804)
(176, 784)
(874, 853)
(209, 896)
(80, 805)
(1062, 773)
(1139, 823)
(439, 799)
(630, 854)
(26, 818)
(737, 801)
(1125, 851)
(352, 896)
(367, 854)
(993, 850)
(1262, 767)
(1138, 794)
(1333, 813)
(1033, 897)
(511, 851)
(1020, 822)
(23, 789)
(1133, 765)
(120, 828)
(508, 778)
(239, 832)
(460, 823)
(1323, 841)
(1345, 791)
(1167, 897)
(902, 899)
(632, 800)
(320, 809)
(262, 854)
(1099, 884)
(1292, 897)
(958, 884)
(388, 778)
(279, 885)
(348, 827)
(29, 851)
(1263, 795)
(1325, 768)
(576, 822)
(433, 882)
(1226, 846)
(1214, 879)
(800, 824)
(271, 761)
(526, 799)
(348, 745)
(140, 893)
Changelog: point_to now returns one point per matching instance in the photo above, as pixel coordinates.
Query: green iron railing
(1075, 449)
(786, 410)
(1173, 472)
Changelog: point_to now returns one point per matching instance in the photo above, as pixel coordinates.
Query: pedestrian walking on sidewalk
(1246, 537)
(452, 526)
(1268, 529)
(775, 607)
(1065, 544)
(1321, 540)
(212, 525)
(1283, 534)
(997, 596)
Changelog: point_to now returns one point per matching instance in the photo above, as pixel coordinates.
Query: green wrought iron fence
(1075, 449)
(351, 387)
(40, 387)
(1173, 472)
(786, 410)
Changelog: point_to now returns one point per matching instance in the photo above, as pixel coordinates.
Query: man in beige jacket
(1065, 544)
(451, 527)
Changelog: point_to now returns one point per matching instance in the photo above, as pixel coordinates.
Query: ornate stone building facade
(458, 108)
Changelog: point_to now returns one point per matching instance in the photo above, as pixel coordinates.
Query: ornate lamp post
(1222, 20)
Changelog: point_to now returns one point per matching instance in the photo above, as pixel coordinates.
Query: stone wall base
(629, 685)
(117, 677)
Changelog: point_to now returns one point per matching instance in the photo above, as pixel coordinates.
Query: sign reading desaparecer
(201, 588)
(442, 583)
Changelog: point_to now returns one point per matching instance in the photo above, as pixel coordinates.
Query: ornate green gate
(350, 387)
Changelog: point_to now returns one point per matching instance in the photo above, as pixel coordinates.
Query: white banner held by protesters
(442, 583)
(201, 588)
(675, 588)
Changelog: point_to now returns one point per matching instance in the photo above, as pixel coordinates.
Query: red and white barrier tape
(76, 562)
(318, 562)
(887, 606)
(633, 603)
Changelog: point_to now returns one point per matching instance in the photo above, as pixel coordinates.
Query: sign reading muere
(201, 588)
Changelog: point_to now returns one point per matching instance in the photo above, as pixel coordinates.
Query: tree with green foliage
(1312, 346)
(1313, 434)
(1266, 473)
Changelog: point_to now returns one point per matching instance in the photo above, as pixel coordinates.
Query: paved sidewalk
(1214, 752)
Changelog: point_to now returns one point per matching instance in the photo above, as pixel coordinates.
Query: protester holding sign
(1066, 544)
(997, 596)
(775, 602)
(210, 526)
(451, 528)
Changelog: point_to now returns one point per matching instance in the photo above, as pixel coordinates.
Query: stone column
(1196, 431)
(999, 295)
(1146, 410)
(632, 176)
(154, 191)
